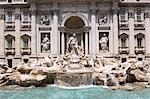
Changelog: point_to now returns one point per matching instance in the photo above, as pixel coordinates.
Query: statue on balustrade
(103, 42)
(73, 47)
(45, 44)
(45, 20)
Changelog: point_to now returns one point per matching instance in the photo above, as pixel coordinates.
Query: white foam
(79, 87)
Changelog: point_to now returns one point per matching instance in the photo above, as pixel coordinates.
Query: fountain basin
(74, 78)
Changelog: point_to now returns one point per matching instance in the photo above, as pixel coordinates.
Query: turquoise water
(84, 93)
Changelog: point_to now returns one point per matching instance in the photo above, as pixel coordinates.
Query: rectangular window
(122, 16)
(139, 42)
(123, 42)
(139, 15)
(25, 17)
(9, 43)
(9, 17)
(25, 43)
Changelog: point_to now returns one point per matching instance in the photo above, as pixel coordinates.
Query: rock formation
(94, 70)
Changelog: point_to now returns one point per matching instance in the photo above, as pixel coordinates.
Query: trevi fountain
(76, 76)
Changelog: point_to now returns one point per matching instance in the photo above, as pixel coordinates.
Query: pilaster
(17, 32)
(33, 30)
(131, 33)
(2, 38)
(115, 27)
(93, 33)
(147, 28)
(55, 36)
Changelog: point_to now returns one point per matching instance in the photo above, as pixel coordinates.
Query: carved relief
(45, 20)
(103, 19)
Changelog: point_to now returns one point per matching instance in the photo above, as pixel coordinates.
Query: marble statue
(103, 42)
(45, 44)
(72, 45)
(45, 20)
(103, 20)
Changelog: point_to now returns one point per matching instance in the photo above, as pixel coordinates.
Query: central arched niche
(74, 22)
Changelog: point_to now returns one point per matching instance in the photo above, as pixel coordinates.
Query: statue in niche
(45, 20)
(103, 20)
(103, 42)
(72, 45)
(45, 44)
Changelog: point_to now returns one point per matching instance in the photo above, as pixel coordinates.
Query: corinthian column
(93, 34)
(55, 35)
(147, 34)
(131, 32)
(115, 27)
(33, 30)
(86, 43)
(2, 39)
(17, 31)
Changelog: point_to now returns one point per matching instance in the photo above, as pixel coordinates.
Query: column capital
(93, 8)
(17, 15)
(61, 29)
(55, 8)
(93, 11)
(55, 11)
(33, 11)
(116, 10)
(1, 16)
(131, 14)
(87, 29)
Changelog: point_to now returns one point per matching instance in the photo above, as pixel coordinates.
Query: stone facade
(29, 26)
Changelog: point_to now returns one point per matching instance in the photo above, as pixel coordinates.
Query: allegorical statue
(103, 42)
(45, 44)
(72, 44)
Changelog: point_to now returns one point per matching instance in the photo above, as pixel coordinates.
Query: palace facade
(31, 29)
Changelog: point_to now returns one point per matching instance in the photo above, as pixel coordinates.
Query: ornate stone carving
(147, 15)
(131, 14)
(55, 11)
(45, 20)
(103, 20)
(116, 10)
(17, 15)
(93, 11)
(1, 16)
(33, 11)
